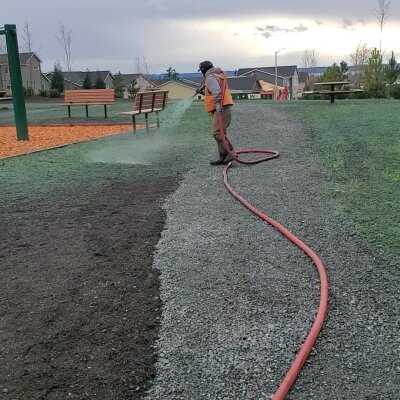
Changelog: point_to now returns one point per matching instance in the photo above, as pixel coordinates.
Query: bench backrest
(89, 96)
(150, 100)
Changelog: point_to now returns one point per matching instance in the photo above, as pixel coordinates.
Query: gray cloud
(110, 34)
(269, 30)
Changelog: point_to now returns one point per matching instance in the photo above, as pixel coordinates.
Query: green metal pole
(14, 66)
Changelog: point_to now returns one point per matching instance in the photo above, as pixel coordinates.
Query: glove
(219, 107)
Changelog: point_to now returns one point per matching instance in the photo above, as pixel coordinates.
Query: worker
(215, 105)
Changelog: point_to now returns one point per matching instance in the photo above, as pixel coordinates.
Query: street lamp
(276, 70)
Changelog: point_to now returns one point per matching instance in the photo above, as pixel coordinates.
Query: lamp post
(276, 71)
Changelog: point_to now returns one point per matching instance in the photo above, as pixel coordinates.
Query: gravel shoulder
(238, 299)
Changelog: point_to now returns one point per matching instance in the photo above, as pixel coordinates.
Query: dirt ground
(79, 304)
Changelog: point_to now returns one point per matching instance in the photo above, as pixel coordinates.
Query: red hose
(305, 350)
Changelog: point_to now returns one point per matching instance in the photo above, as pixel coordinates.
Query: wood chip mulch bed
(47, 137)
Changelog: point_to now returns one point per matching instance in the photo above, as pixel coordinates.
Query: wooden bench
(88, 97)
(146, 103)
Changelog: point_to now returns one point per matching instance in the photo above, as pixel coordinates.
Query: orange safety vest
(209, 102)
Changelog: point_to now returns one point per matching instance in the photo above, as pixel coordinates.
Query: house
(178, 88)
(245, 87)
(32, 79)
(74, 79)
(304, 82)
(143, 83)
(286, 76)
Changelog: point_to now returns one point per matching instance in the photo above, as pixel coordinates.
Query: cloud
(319, 22)
(347, 25)
(268, 30)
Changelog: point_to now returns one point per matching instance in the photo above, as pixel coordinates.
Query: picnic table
(334, 88)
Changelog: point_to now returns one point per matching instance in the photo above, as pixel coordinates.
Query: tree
(99, 82)
(87, 82)
(171, 74)
(118, 85)
(344, 69)
(28, 37)
(57, 79)
(374, 78)
(332, 74)
(132, 90)
(141, 65)
(382, 15)
(65, 39)
(309, 59)
(391, 71)
(359, 59)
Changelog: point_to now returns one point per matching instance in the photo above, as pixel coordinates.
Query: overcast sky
(110, 35)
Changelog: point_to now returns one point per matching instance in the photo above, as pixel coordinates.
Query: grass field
(359, 142)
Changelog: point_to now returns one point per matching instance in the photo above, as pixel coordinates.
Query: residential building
(31, 72)
(143, 83)
(74, 79)
(245, 87)
(178, 88)
(287, 76)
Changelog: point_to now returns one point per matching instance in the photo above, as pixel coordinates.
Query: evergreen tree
(332, 74)
(171, 74)
(392, 71)
(118, 85)
(374, 77)
(87, 82)
(57, 79)
(99, 82)
(344, 69)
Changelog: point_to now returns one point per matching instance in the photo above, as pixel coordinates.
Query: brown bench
(88, 97)
(146, 103)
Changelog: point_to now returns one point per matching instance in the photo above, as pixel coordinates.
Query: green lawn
(52, 111)
(359, 142)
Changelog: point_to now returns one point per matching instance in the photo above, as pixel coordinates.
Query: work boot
(228, 157)
(222, 155)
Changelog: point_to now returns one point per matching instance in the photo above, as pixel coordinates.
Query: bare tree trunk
(65, 39)
(382, 16)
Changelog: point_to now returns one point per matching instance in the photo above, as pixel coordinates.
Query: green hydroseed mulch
(359, 142)
(77, 169)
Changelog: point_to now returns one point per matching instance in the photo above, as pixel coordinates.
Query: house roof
(244, 83)
(23, 58)
(313, 70)
(284, 70)
(267, 77)
(182, 82)
(128, 78)
(77, 77)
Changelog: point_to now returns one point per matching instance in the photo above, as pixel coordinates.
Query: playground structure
(21, 123)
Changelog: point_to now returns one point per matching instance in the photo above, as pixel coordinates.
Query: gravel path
(238, 298)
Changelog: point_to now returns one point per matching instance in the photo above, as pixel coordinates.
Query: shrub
(394, 92)
(54, 93)
(43, 92)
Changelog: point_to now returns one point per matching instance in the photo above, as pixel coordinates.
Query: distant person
(211, 89)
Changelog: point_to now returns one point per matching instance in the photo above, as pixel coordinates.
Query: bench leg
(105, 111)
(146, 117)
(69, 111)
(134, 123)
(158, 119)
(87, 111)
